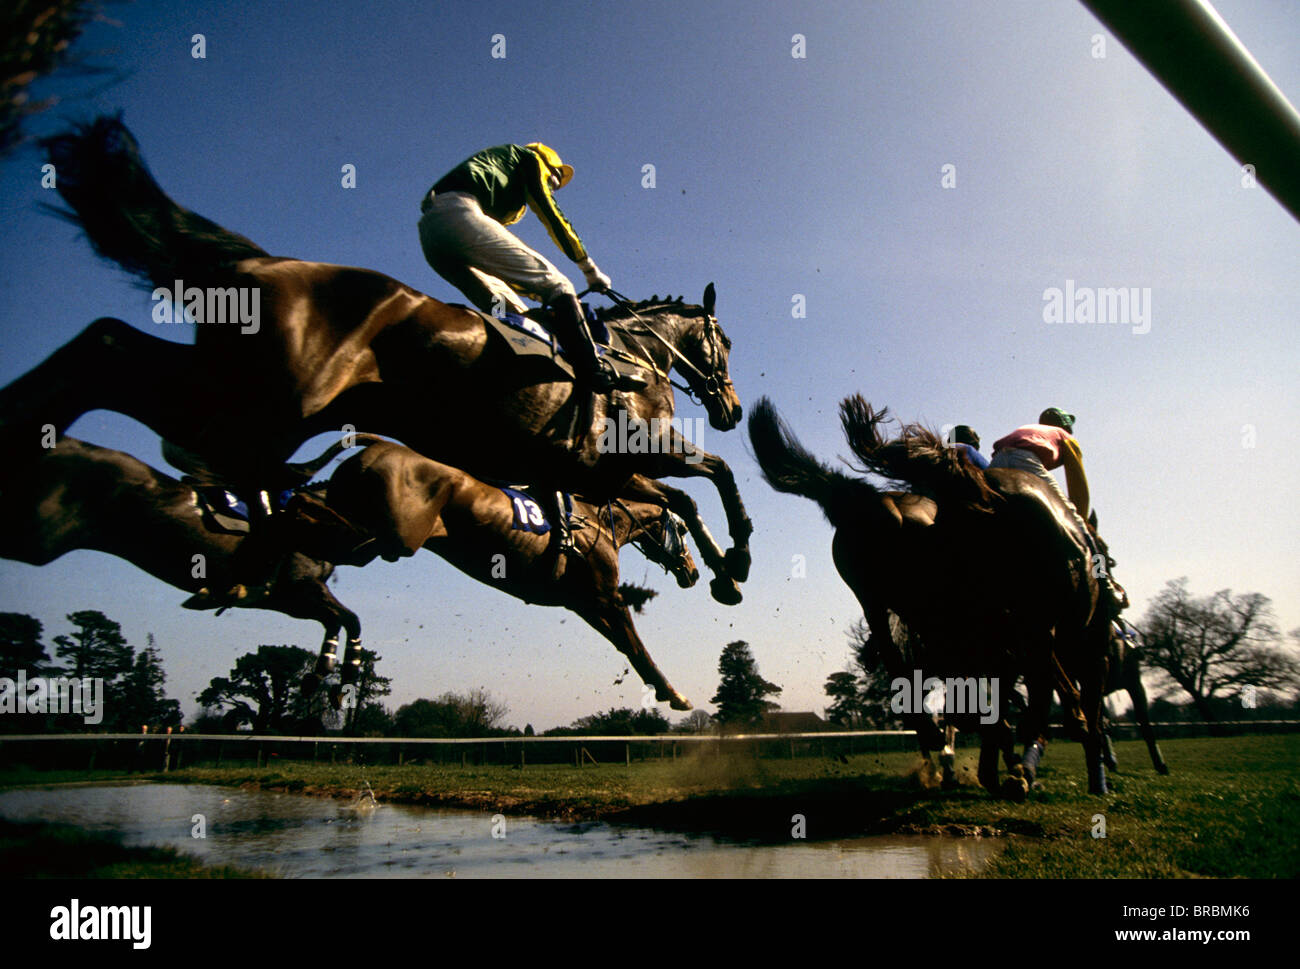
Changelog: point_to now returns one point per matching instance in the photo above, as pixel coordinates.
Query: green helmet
(1057, 418)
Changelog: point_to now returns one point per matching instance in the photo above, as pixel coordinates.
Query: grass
(1228, 809)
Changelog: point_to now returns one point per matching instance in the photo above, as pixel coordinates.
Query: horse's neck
(615, 524)
(637, 337)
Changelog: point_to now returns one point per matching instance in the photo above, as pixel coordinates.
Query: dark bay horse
(324, 347)
(879, 547)
(77, 495)
(80, 496)
(1011, 581)
(893, 554)
(406, 502)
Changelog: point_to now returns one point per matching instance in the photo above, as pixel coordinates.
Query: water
(298, 836)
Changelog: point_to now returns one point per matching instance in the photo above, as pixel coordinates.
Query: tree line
(1211, 658)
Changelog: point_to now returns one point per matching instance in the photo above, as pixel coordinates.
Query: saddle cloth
(527, 337)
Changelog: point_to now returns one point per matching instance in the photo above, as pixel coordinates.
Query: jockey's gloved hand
(596, 279)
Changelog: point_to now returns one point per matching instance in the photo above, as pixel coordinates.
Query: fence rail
(155, 751)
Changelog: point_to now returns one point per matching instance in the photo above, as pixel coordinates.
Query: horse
(405, 501)
(77, 495)
(1016, 575)
(893, 555)
(320, 347)
(880, 547)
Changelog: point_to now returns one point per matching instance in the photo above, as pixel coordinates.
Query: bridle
(670, 546)
(711, 387)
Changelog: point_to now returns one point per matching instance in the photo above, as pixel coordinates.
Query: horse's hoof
(738, 561)
(1162, 769)
(200, 600)
(725, 590)
(687, 581)
(1015, 789)
(679, 702)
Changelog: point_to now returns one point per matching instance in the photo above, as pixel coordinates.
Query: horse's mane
(619, 311)
(917, 457)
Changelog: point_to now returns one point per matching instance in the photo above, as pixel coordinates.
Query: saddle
(527, 336)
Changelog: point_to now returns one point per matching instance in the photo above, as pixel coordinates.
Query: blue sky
(776, 176)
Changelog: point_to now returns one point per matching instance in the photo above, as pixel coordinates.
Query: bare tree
(1216, 646)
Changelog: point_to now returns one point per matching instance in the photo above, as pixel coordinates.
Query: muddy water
(307, 837)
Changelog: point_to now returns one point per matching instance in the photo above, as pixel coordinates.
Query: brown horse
(405, 502)
(879, 547)
(896, 557)
(1010, 587)
(323, 347)
(77, 495)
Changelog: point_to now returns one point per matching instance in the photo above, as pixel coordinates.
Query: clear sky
(776, 176)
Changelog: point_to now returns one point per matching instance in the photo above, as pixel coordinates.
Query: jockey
(964, 438)
(1038, 449)
(463, 235)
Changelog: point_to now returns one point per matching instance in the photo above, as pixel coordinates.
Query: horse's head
(708, 350)
(663, 541)
(687, 337)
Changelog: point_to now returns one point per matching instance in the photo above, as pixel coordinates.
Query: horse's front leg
(723, 586)
(614, 622)
(682, 459)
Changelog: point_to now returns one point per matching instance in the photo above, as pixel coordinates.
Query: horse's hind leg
(344, 695)
(112, 366)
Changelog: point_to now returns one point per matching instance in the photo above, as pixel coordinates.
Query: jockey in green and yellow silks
(463, 234)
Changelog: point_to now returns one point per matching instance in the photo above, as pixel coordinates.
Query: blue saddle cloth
(528, 513)
(599, 332)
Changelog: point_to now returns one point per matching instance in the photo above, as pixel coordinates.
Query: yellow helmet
(552, 159)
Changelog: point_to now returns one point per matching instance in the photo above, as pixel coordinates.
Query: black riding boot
(571, 327)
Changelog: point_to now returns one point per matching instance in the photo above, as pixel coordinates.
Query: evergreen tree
(96, 649)
(264, 689)
(142, 700)
(740, 697)
(20, 645)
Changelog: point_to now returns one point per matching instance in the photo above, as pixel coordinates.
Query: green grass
(42, 850)
(1228, 809)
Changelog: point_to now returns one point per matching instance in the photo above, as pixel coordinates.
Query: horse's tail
(790, 468)
(917, 457)
(127, 217)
